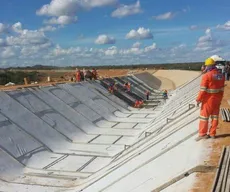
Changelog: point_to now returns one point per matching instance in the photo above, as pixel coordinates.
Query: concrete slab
(39, 158)
(96, 165)
(105, 139)
(126, 140)
(78, 91)
(105, 124)
(73, 115)
(17, 143)
(70, 163)
(125, 125)
(138, 115)
(50, 115)
(10, 169)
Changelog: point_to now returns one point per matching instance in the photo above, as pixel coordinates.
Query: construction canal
(79, 137)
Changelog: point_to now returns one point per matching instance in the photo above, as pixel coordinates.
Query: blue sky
(111, 32)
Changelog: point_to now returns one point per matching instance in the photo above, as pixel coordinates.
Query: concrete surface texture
(78, 137)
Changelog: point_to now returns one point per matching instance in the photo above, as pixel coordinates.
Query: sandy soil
(178, 77)
(204, 181)
(166, 83)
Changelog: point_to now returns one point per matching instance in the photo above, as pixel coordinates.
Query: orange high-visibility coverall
(78, 76)
(210, 95)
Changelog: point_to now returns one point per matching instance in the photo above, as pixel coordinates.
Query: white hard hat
(217, 58)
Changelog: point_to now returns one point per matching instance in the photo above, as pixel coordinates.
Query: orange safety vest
(212, 85)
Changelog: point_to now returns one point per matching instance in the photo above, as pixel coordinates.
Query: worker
(137, 104)
(78, 75)
(84, 73)
(165, 94)
(210, 96)
(147, 93)
(127, 86)
(94, 74)
(112, 87)
(82, 76)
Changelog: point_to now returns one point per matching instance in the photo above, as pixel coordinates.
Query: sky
(112, 32)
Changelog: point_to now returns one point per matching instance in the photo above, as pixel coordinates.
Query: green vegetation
(17, 77)
(182, 66)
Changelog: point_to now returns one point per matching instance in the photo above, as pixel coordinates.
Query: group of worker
(112, 87)
(86, 75)
(127, 88)
(210, 97)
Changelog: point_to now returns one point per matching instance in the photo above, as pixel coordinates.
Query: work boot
(202, 137)
(213, 137)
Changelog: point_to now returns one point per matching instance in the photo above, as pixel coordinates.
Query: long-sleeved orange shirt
(212, 85)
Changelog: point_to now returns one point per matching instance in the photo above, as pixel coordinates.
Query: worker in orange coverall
(78, 75)
(210, 96)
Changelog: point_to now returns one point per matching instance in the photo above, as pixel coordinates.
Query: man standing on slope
(210, 96)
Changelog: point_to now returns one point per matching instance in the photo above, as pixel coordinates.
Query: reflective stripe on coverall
(210, 95)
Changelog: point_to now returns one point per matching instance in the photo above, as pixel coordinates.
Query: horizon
(111, 32)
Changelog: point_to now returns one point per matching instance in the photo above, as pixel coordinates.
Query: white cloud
(151, 47)
(132, 51)
(209, 43)
(17, 27)
(111, 51)
(71, 7)
(99, 3)
(179, 48)
(58, 51)
(226, 26)
(205, 42)
(27, 37)
(4, 28)
(61, 20)
(141, 33)
(25, 44)
(136, 45)
(35, 49)
(104, 39)
(47, 28)
(7, 52)
(127, 10)
(165, 16)
(60, 7)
